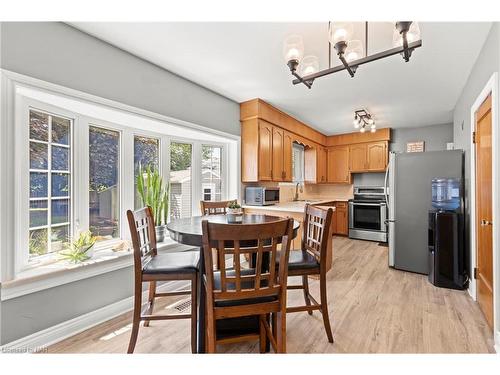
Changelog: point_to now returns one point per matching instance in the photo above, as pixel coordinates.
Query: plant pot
(160, 233)
(234, 215)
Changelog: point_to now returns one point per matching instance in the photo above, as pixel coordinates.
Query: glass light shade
(412, 35)
(362, 130)
(293, 48)
(370, 121)
(354, 50)
(356, 124)
(373, 130)
(373, 126)
(309, 65)
(340, 32)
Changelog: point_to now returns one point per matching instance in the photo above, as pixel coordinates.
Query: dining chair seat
(185, 262)
(301, 259)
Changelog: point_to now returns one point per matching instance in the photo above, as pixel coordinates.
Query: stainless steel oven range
(368, 214)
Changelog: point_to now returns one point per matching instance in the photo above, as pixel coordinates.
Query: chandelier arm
(364, 60)
(346, 65)
(308, 83)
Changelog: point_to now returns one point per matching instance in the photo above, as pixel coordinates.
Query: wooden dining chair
(241, 291)
(149, 266)
(311, 260)
(215, 208)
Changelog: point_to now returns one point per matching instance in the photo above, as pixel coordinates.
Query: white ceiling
(243, 61)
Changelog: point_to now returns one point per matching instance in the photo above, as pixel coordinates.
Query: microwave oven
(261, 196)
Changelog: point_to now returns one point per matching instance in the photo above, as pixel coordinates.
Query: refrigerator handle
(386, 178)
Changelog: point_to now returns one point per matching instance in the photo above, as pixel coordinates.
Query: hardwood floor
(373, 309)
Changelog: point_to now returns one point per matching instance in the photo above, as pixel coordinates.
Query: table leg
(201, 305)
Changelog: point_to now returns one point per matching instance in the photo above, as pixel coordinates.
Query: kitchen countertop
(295, 206)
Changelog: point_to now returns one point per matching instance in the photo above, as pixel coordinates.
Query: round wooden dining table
(188, 231)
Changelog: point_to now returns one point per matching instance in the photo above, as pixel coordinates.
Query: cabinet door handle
(486, 222)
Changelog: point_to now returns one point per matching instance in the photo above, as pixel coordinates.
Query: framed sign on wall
(415, 146)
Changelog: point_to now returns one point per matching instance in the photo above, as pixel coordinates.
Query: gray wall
(60, 54)
(434, 136)
(487, 63)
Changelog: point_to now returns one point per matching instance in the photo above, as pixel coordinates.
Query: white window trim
(9, 82)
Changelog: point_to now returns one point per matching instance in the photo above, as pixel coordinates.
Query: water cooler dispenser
(446, 235)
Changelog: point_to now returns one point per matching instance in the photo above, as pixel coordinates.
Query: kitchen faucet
(296, 196)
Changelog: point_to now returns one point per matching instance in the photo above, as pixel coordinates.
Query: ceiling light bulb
(362, 130)
(412, 35)
(370, 121)
(293, 48)
(373, 126)
(310, 65)
(373, 130)
(354, 50)
(339, 32)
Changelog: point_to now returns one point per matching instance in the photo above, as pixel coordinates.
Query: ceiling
(244, 60)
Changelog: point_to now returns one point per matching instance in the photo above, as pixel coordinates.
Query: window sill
(58, 273)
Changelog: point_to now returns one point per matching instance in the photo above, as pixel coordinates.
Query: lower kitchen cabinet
(340, 219)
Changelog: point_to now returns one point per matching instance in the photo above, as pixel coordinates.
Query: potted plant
(80, 249)
(234, 213)
(155, 194)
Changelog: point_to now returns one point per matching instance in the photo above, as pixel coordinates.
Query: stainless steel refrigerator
(408, 179)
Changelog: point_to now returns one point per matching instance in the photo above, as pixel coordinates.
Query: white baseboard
(49, 336)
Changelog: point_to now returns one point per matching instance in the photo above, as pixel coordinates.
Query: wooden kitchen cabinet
(340, 219)
(377, 156)
(278, 140)
(358, 158)
(368, 157)
(338, 165)
(315, 161)
(287, 156)
(265, 148)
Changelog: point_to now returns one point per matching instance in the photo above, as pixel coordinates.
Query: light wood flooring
(373, 309)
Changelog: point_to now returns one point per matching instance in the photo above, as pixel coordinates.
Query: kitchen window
(49, 182)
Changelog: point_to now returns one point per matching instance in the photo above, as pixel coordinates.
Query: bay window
(76, 169)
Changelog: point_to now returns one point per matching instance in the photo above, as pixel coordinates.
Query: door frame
(490, 87)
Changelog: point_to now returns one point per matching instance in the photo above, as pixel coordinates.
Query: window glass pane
(180, 179)
(59, 236)
(60, 158)
(49, 212)
(60, 211)
(38, 242)
(38, 185)
(39, 126)
(146, 153)
(60, 130)
(104, 159)
(38, 213)
(60, 185)
(38, 155)
(211, 169)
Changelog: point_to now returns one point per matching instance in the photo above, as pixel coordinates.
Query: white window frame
(15, 97)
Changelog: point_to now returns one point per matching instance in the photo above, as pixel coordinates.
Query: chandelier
(363, 120)
(350, 52)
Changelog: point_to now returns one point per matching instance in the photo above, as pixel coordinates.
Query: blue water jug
(446, 193)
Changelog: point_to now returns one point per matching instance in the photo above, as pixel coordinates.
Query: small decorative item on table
(234, 213)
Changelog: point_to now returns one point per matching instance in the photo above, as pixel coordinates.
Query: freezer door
(390, 189)
(413, 173)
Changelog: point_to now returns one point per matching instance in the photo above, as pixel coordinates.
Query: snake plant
(153, 193)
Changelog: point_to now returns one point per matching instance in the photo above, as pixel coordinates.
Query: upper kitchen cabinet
(315, 162)
(267, 136)
(358, 158)
(338, 165)
(377, 156)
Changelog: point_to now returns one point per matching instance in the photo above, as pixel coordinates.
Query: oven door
(367, 216)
